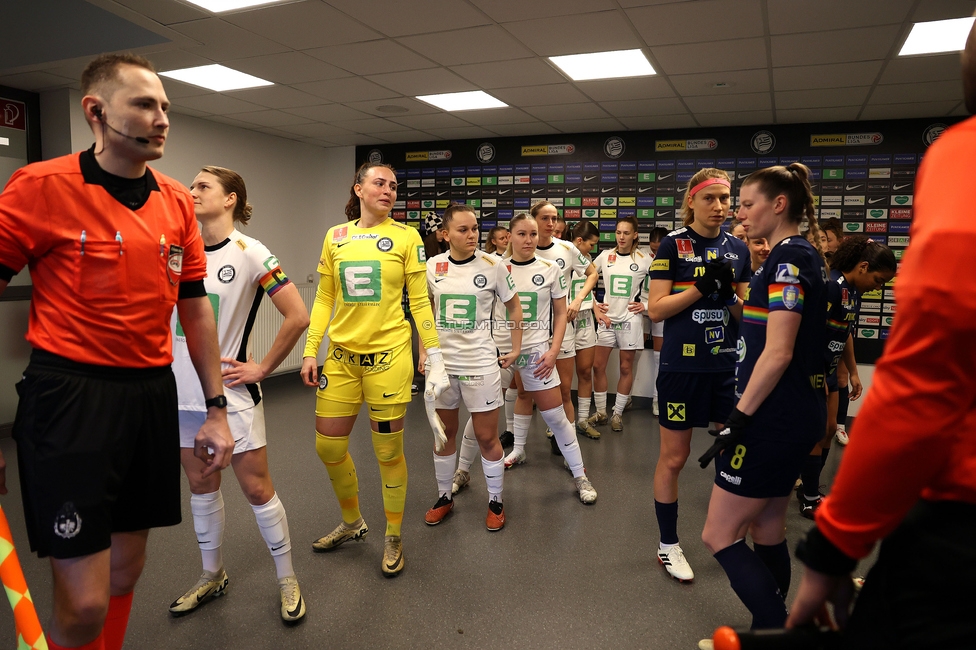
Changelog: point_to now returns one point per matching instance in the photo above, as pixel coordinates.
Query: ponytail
(859, 248)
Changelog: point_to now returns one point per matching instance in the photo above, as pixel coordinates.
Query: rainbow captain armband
(275, 278)
(786, 296)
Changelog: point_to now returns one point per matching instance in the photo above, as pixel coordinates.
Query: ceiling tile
(287, 68)
(960, 110)
(641, 3)
(739, 118)
(276, 97)
(821, 98)
(903, 111)
(655, 122)
(276, 132)
(368, 125)
(730, 104)
(217, 103)
(839, 46)
(449, 48)
(834, 75)
(409, 136)
(798, 115)
(349, 89)
(303, 25)
(645, 107)
(526, 128)
(177, 89)
(942, 67)
(591, 32)
(715, 56)
(619, 89)
(423, 82)
(738, 81)
(432, 121)
(175, 60)
(789, 16)
(462, 132)
(587, 126)
(504, 11)
(380, 107)
(398, 18)
(222, 41)
(35, 81)
(373, 57)
(674, 23)
(531, 72)
(185, 110)
(225, 120)
(930, 91)
(584, 111)
(315, 130)
(540, 95)
(943, 9)
(355, 139)
(269, 118)
(494, 116)
(327, 112)
(165, 12)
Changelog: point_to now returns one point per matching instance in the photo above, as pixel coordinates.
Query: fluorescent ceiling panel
(220, 6)
(216, 77)
(937, 36)
(467, 101)
(604, 65)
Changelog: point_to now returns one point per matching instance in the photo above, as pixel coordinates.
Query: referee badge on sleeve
(174, 264)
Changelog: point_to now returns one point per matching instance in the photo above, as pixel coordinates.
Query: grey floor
(560, 575)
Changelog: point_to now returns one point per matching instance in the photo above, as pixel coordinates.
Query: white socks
(511, 394)
(444, 473)
(583, 411)
(600, 401)
(565, 435)
(273, 524)
(494, 477)
(469, 447)
(520, 429)
(620, 404)
(208, 523)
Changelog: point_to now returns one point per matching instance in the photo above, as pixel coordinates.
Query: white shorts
(247, 428)
(527, 362)
(585, 330)
(628, 335)
(479, 392)
(657, 329)
(567, 350)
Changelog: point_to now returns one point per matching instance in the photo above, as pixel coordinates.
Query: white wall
(298, 192)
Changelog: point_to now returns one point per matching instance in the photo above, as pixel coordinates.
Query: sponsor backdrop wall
(862, 173)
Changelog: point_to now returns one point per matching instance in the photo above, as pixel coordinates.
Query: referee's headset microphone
(97, 112)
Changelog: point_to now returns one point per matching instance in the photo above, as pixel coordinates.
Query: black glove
(710, 282)
(726, 278)
(727, 437)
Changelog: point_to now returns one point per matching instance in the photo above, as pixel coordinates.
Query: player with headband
(696, 281)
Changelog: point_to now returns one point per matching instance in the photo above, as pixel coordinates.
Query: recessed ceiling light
(220, 6)
(937, 36)
(468, 101)
(216, 77)
(604, 65)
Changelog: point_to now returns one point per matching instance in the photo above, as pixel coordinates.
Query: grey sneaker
(597, 418)
(616, 422)
(209, 586)
(586, 492)
(343, 533)
(292, 603)
(392, 556)
(655, 408)
(584, 427)
(461, 478)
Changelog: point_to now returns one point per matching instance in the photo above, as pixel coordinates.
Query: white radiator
(266, 326)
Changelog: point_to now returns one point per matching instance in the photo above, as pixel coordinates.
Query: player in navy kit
(860, 265)
(693, 278)
(781, 410)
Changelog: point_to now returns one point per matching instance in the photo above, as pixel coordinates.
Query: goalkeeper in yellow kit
(364, 267)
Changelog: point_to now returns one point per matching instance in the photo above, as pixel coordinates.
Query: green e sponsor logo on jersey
(511, 282)
(620, 286)
(530, 305)
(214, 302)
(361, 281)
(457, 311)
(562, 281)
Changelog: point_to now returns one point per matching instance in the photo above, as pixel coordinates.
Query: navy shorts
(832, 383)
(761, 468)
(98, 450)
(694, 399)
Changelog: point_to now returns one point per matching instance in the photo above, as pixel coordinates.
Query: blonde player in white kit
(464, 284)
(542, 292)
(624, 270)
(572, 264)
(240, 271)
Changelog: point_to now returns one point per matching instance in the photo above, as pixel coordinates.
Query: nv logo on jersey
(457, 311)
(711, 254)
(620, 286)
(361, 281)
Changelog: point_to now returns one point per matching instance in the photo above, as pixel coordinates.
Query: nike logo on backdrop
(897, 187)
(664, 177)
(879, 200)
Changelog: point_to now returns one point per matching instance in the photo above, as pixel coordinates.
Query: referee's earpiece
(97, 112)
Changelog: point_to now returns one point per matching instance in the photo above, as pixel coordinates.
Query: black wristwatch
(220, 402)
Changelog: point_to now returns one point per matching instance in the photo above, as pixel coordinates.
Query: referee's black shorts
(98, 452)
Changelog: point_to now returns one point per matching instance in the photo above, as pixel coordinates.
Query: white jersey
(571, 262)
(576, 285)
(538, 283)
(464, 294)
(624, 280)
(240, 270)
